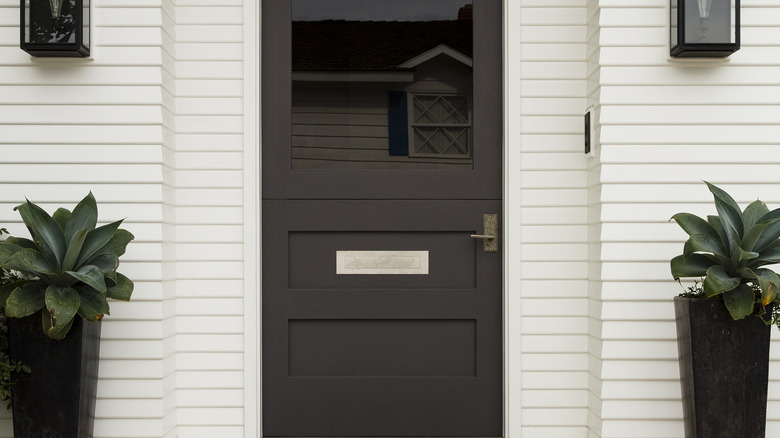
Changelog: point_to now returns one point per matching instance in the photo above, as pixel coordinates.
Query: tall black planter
(56, 400)
(724, 369)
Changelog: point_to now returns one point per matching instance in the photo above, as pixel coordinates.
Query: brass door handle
(490, 228)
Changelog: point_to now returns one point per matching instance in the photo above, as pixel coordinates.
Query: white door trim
(512, 244)
(252, 215)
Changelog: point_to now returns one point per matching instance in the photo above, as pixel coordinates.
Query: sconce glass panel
(85, 26)
(55, 28)
(704, 28)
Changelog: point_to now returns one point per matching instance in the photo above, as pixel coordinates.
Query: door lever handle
(490, 228)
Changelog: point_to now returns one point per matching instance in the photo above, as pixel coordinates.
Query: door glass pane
(382, 84)
(709, 22)
(50, 21)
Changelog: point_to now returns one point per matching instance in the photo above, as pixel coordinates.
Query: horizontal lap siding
(640, 388)
(209, 217)
(554, 267)
(70, 127)
(153, 126)
(665, 127)
(595, 247)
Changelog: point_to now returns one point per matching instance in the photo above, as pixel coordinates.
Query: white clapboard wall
(153, 127)
(548, 217)
(664, 127)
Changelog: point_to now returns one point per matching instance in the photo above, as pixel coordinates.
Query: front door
(381, 161)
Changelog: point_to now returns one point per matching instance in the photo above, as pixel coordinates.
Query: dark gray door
(381, 314)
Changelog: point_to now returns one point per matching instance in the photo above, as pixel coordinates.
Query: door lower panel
(380, 355)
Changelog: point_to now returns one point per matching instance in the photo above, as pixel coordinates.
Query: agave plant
(69, 266)
(729, 250)
(9, 369)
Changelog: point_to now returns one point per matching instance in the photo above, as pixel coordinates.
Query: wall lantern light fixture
(704, 28)
(55, 28)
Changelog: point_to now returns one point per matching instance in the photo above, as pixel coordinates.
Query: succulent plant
(9, 369)
(69, 266)
(729, 250)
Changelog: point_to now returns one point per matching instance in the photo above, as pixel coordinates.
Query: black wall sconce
(704, 28)
(55, 28)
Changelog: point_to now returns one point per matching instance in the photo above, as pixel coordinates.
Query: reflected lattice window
(440, 125)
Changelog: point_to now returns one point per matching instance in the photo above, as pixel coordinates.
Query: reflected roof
(339, 45)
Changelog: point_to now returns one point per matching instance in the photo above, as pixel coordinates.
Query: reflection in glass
(56, 8)
(440, 125)
(708, 21)
(382, 84)
(86, 19)
(673, 23)
(50, 21)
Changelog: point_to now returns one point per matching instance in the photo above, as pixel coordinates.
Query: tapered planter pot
(56, 400)
(724, 367)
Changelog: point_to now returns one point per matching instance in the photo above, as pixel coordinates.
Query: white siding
(168, 51)
(665, 127)
(153, 126)
(208, 254)
(68, 127)
(595, 247)
(553, 216)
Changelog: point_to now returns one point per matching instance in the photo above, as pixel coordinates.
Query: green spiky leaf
(7, 250)
(84, 217)
(703, 243)
(59, 332)
(774, 214)
(769, 235)
(26, 300)
(6, 289)
(61, 216)
(694, 266)
(107, 263)
(31, 262)
(745, 255)
(93, 304)
(729, 213)
(739, 301)
(63, 304)
(95, 240)
(90, 275)
(718, 281)
(22, 242)
(46, 232)
(766, 257)
(122, 290)
(717, 225)
(752, 235)
(753, 213)
(769, 282)
(74, 248)
(117, 244)
(693, 224)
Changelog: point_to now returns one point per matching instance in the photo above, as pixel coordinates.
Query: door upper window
(382, 84)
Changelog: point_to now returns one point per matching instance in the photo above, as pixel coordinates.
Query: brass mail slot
(382, 262)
